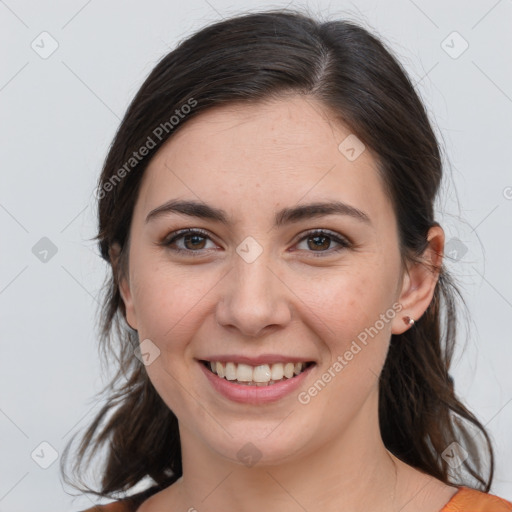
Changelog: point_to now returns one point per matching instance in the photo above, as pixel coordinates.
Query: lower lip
(255, 394)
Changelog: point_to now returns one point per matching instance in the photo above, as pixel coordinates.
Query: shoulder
(131, 503)
(471, 500)
(116, 506)
(128, 504)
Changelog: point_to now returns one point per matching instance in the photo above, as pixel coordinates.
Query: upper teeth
(261, 373)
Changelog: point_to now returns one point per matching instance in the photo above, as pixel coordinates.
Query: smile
(260, 375)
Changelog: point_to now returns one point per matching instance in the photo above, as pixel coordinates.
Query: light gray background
(58, 116)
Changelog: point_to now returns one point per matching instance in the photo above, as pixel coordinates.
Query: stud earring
(408, 320)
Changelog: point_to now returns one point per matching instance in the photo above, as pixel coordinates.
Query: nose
(254, 299)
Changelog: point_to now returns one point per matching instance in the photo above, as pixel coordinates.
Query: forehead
(268, 153)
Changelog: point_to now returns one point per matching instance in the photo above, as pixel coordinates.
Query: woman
(277, 284)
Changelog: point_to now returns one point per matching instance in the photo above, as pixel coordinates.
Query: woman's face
(258, 286)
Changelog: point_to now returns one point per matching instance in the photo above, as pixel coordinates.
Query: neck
(352, 472)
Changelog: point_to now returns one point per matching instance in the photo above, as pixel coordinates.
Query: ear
(124, 285)
(419, 281)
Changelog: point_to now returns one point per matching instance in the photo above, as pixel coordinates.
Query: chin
(258, 449)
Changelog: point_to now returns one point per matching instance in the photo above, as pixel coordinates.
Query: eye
(319, 239)
(193, 242)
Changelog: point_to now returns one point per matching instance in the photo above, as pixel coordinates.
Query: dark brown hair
(257, 57)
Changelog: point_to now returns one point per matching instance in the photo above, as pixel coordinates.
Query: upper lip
(255, 361)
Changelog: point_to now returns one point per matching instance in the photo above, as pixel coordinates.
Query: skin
(252, 160)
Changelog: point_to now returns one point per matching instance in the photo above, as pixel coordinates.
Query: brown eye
(193, 241)
(320, 241)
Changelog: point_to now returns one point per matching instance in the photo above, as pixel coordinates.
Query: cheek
(351, 317)
(168, 304)
(164, 301)
(355, 297)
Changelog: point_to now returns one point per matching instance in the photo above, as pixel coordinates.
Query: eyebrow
(282, 217)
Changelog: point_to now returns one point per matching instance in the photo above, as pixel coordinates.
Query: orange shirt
(464, 500)
(470, 500)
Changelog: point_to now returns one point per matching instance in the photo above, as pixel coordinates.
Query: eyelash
(176, 235)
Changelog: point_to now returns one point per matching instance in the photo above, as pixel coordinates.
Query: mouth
(260, 375)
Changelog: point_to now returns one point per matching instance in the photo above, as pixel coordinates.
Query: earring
(408, 320)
